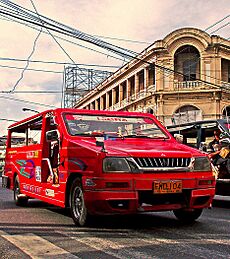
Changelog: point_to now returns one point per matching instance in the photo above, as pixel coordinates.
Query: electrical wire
(26, 101)
(33, 69)
(28, 16)
(66, 40)
(168, 70)
(34, 92)
(3, 119)
(86, 37)
(41, 91)
(221, 27)
(125, 40)
(214, 24)
(27, 63)
(83, 80)
(56, 62)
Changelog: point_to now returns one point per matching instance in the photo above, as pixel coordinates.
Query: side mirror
(179, 138)
(100, 143)
(52, 135)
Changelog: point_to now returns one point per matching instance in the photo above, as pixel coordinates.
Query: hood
(142, 148)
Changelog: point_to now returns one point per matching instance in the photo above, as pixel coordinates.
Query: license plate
(167, 186)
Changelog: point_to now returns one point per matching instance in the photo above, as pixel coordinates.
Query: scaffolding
(79, 81)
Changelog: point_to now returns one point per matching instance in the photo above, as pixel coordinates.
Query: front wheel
(20, 200)
(77, 204)
(188, 216)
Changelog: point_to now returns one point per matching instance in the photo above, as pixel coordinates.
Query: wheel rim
(16, 191)
(78, 202)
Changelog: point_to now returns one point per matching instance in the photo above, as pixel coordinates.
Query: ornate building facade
(184, 77)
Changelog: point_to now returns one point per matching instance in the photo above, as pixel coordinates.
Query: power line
(25, 101)
(66, 30)
(3, 119)
(27, 62)
(33, 92)
(120, 39)
(26, 15)
(214, 24)
(60, 44)
(33, 69)
(56, 62)
(66, 40)
(221, 27)
(60, 28)
(40, 91)
(75, 33)
(51, 33)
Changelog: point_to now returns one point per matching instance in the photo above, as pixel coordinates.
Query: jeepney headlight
(118, 164)
(200, 164)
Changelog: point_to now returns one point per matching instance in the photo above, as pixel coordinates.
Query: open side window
(26, 134)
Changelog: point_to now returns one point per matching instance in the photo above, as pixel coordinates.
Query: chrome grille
(158, 162)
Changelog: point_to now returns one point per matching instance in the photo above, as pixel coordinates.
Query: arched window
(185, 114)
(226, 112)
(187, 63)
(189, 70)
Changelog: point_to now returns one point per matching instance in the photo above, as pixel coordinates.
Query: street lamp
(31, 110)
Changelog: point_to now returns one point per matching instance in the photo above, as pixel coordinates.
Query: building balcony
(133, 98)
(187, 85)
(225, 84)
(196, 84)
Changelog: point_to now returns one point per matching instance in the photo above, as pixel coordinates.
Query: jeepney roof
(70, 110)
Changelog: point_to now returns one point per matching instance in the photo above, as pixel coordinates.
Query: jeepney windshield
(115, 126)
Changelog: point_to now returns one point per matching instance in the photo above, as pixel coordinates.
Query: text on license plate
(167, 186)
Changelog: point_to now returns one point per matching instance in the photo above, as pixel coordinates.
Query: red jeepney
(104, 162)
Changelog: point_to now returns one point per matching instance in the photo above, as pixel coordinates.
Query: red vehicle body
(104, 162)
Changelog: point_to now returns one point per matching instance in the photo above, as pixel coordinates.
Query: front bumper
(129, 202)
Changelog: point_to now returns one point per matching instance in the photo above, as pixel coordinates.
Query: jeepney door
(50, 150)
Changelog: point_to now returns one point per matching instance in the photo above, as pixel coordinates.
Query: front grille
(157, 162)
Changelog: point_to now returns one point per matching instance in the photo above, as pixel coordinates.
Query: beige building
(184, 77)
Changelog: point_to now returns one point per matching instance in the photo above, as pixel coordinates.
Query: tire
(19, 201)
(187, 216)
(77, 204)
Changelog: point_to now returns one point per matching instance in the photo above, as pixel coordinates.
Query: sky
(144, 21)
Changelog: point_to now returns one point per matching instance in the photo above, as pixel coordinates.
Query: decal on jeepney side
(49, 192)
(12, 152)
(61, 176)
(32, 154)
(27, 168)
(31, 188)
(38, 173)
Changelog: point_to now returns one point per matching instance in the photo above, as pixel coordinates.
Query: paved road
(43, 231)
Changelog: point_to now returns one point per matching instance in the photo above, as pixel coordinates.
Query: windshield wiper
(143, 136)
(98, 134)
(81, 134)
(136, 136)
